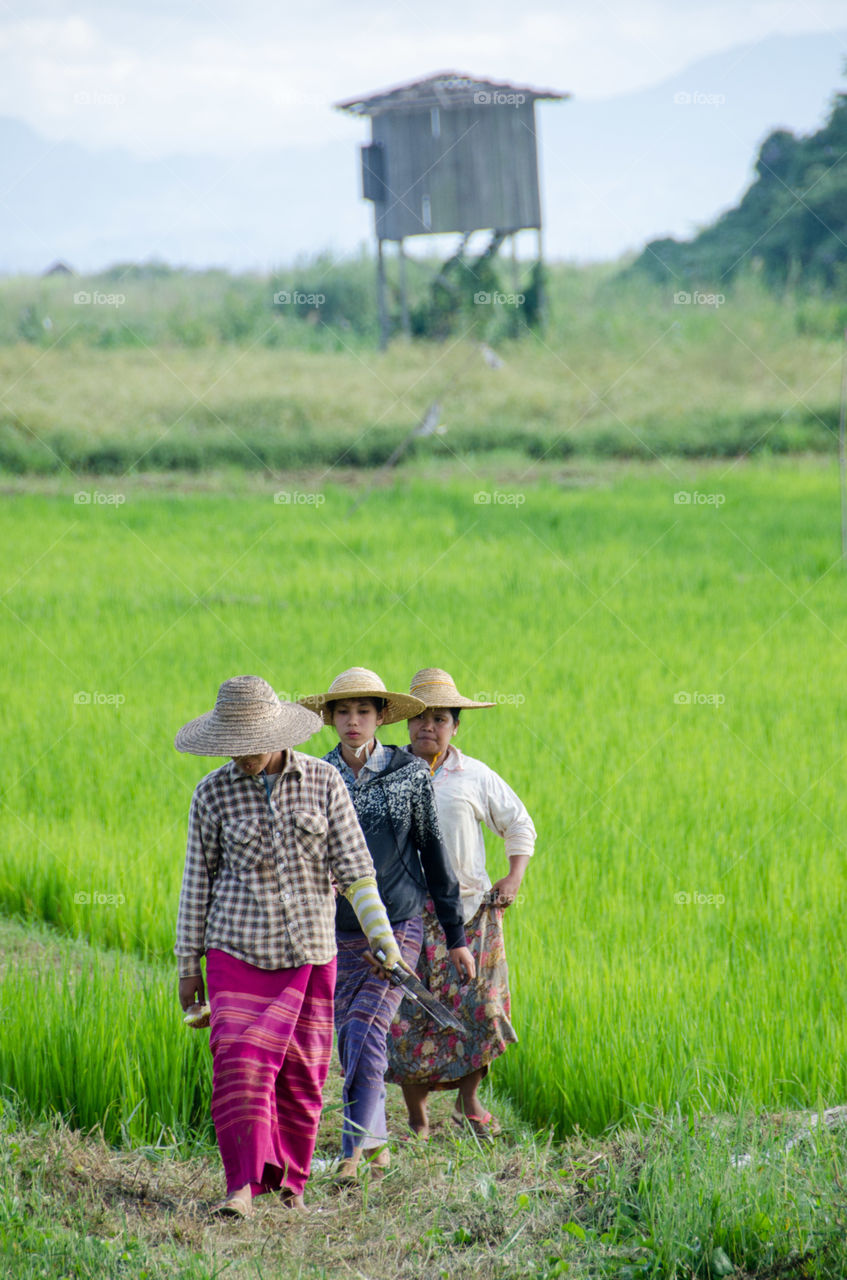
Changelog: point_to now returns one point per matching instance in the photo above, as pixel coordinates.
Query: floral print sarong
(421, 1052)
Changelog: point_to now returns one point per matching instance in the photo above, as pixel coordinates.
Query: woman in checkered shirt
(270, 834)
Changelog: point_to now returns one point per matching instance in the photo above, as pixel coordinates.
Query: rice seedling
(667, 677)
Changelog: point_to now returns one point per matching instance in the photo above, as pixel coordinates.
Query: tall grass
(104, 1047)
(680, 937)
(695, 1198)
(191, 372)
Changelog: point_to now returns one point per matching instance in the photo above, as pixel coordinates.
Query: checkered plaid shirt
(257, 869)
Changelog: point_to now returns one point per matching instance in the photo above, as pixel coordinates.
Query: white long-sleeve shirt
(468, 794)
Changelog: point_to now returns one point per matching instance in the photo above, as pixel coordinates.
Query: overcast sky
(220, 77)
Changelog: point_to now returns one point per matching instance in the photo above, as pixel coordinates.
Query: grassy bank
(682, 1195)
(623, 369)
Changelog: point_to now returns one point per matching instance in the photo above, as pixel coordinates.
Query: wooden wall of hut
(458, 169)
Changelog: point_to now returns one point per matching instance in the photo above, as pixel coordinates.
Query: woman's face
(355, 721)
(431, 731)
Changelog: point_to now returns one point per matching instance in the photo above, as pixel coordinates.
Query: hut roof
(445, 89)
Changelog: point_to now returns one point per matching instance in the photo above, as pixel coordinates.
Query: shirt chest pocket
(243, 844)
(310, 830)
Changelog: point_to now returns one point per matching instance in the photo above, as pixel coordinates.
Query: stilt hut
(450, 153)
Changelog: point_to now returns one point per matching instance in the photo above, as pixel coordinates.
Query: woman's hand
(191, 991)
(197, 1013)
(464, 962)
(505, 891)
(379, 970)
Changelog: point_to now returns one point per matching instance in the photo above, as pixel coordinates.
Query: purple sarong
(364, 1008)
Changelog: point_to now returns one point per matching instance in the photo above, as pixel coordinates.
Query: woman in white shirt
(421, 1056)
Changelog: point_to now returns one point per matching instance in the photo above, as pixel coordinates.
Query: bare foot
(348, 1169)
(289, 1200)
(472, 1111)
(378, 1158)
(239, 1204)
(415, 1095)
(484, 1126)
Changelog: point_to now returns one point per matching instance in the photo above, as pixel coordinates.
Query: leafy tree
(791, 223)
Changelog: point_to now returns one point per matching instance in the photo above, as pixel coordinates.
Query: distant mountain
(666, 160)
(791, 221)
(615, 172)
(92, 208)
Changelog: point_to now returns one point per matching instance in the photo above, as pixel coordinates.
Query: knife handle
(393, 974)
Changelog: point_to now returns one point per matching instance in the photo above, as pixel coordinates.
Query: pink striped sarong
(271, 1040)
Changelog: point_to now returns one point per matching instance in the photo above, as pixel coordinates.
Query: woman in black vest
(393, 798)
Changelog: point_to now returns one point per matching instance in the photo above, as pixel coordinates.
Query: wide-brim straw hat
(358, 682)
(437, 688)
(248, 720)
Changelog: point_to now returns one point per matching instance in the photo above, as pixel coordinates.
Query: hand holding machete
(402, 976)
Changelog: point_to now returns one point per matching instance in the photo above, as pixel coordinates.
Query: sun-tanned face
(254, 764)
(356, 721)
(431, 731)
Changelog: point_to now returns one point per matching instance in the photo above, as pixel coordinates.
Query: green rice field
(666, 648)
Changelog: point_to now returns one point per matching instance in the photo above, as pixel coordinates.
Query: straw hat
(437, 689)
(358, 682)
(248, 720)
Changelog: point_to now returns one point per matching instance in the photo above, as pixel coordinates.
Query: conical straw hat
(248, 719)
(437, 689)
(359, 682)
